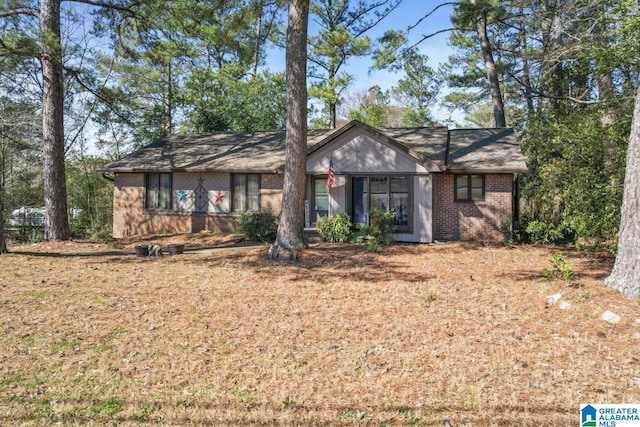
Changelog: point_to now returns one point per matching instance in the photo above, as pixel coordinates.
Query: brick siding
(271, 192)
(471, 220)
(130, 217)
(451, 220)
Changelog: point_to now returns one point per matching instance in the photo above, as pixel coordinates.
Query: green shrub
(374, 248)
(560, 268)
(506, 228)
(100, 234)
(380, 227)
(78, 227)
(259, 226)
(35, 234)
(336, 229)
(545, 233)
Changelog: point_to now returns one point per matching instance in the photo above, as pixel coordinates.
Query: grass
(342, 337)
(12, 378)
(429, 296)
(108, 408)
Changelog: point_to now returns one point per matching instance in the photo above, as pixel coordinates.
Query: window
(382, 193)
(320, 199)
(469, 187)
(399, 190)
(158, 191)
(246, 192)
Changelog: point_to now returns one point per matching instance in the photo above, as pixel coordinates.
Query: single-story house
(445, 184)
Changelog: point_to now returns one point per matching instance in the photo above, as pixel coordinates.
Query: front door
(360, 199)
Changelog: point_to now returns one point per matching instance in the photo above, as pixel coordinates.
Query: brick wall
(471, 220)
(130, 218)
(271, 192)
(128, 203)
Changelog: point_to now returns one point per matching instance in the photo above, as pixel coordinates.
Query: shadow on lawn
(353, 262)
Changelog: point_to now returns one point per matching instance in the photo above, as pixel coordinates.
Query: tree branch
(556, 97)
(18, 12)
(426, 37)
(451, 3)
(95, 93)
(379, 17)
(109, 5)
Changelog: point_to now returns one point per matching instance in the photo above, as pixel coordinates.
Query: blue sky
(436, 47)
(407, 14)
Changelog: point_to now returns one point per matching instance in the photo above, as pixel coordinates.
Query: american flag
(330, 175)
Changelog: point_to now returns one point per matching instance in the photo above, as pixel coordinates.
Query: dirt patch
(413, 335)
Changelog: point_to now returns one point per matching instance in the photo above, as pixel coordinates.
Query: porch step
(312, 235)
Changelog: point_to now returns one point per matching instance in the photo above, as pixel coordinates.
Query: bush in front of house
(336, 229)
(380, 227)
(259, 226)
(546, 233)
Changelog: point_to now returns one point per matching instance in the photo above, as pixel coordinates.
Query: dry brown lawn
(413, 335)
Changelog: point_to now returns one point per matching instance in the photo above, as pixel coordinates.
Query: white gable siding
(424, 216)
(422, 211)
(361, 154)
(357, 153)
(338, 195)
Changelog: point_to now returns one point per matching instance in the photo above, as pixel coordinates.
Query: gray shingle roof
(430, 142)
(485, 150)
(263, 152)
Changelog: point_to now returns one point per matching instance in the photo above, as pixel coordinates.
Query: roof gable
(358, 148)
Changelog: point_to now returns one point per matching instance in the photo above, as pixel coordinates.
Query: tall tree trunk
(3, 174)
(169, 103)
(256, 55)
(3, 240)
(490, 66)
(608, 119)
(625, 275)
(56, 225)
(291, 228)
(526, 76)
(333, 121)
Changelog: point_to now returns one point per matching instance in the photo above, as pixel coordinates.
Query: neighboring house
(444, 184)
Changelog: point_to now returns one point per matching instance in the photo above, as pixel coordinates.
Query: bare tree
(291, 228)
